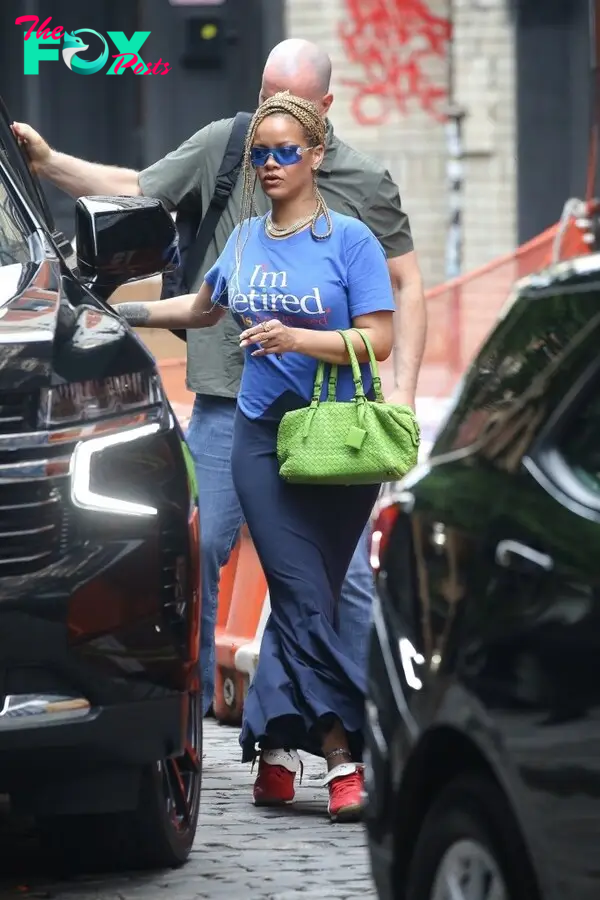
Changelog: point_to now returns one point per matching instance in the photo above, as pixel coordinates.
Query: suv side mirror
(122, 239)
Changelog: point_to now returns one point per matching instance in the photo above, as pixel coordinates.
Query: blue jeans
(210, 438)
(356, 602)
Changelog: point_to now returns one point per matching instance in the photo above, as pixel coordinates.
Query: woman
(292, 278)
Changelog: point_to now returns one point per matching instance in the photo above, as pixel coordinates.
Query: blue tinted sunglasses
(283, 156)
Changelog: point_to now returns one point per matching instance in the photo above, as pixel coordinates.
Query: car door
(549, 573)
(530, 646)
(459, 507)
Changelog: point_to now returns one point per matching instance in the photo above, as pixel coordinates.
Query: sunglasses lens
(283, 156)
(259, 156)
(287, 156)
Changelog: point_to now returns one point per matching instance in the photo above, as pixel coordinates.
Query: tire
(158, 834)
(470, 822)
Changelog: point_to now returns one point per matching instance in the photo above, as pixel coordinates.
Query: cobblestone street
(240, 852)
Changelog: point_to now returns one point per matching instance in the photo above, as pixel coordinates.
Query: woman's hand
(274, 338)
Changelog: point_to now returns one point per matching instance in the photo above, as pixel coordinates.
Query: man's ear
(327, 101)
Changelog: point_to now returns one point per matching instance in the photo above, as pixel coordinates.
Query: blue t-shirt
(305, 283)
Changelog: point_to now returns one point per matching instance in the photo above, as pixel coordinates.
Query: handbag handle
(318, 385)
(359, 391)
(373, 365)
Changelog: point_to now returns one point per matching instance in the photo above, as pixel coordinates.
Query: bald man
(351, 183)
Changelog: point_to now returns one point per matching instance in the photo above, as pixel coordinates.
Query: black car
(100, 726)
(483, 757)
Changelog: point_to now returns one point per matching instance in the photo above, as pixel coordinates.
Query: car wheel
(158, 834)
(469, 849)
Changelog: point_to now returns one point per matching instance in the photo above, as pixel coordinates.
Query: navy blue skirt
(305, 537)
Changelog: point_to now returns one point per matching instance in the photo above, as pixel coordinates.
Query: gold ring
(265, 326)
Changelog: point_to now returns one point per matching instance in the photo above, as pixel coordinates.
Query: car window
(580, 444)
(520, 354)
(17, 164)
(14, 233)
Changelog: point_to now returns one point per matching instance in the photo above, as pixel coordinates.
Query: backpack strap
(226, 180)
(227, 177)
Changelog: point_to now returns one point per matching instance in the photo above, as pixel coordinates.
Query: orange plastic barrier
(246, 599)
(226, 583)
(462, 312)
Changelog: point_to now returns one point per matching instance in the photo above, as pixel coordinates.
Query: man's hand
(75, 177)
(36, 148)
(273, 337)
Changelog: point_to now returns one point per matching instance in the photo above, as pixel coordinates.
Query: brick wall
(484, 87)
(411, 146)
(412, 142)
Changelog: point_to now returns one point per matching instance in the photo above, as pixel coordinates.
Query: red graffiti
(394, 42)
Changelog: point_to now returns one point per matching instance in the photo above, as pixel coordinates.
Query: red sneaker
(274, 785)
(346, 788)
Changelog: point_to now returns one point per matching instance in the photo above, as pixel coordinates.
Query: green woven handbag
(355, 442)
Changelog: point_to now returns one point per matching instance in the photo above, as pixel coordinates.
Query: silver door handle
(509, 552)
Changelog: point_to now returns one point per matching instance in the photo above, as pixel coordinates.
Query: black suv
(100, 729)
(483, 737)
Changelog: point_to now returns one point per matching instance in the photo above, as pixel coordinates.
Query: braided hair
(306, 113)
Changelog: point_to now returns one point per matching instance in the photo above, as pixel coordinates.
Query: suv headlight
(82, 493)
(82, 402)
(101, 415)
